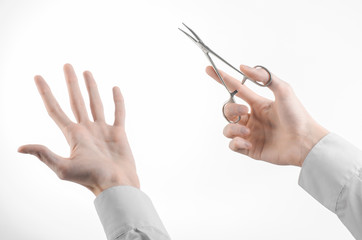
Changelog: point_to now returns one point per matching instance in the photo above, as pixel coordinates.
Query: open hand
(100, 156)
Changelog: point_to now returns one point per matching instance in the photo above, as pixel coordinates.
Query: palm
(92, 145)
(273, 132)
(100, 155)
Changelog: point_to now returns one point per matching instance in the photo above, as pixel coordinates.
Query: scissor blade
(197, 37)
(216, 55)
(193, 39)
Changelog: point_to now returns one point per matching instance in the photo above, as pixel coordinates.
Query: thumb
(52, 160)
(261, 75)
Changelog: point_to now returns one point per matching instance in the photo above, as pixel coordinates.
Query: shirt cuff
(328, 167)
(124, 208)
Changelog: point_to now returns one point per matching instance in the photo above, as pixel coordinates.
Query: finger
(277, 85)
(75, 96)
(55, 162)
(240, 145)
(94, 98)
(119, 114)
(233, 111)
(236, 130)
(233, 84)
(51, 104)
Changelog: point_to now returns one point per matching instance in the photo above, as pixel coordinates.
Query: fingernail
(244, 66)
(247, 144)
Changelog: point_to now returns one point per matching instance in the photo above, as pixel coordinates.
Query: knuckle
(40, 153)
(51, 111)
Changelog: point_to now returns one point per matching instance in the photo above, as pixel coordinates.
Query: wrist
(309, 140)
(116, 180)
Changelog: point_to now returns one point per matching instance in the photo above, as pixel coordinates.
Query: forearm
(332, 174)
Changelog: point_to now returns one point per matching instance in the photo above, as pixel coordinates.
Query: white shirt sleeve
(128, 213)
(332, 174)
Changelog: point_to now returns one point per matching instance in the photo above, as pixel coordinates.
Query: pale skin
(279, 132)
(100, 156)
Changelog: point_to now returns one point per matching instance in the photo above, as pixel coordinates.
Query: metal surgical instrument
(196, 39)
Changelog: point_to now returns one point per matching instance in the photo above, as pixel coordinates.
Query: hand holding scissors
(280, 132)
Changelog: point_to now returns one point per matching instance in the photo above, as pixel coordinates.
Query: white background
(201, 189)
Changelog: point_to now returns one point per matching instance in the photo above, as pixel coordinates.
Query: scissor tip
(184, 32)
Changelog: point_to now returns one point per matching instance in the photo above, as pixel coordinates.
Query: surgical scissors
(196, 39)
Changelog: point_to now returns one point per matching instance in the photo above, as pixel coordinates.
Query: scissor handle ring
(262, 85)
(231, 100)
